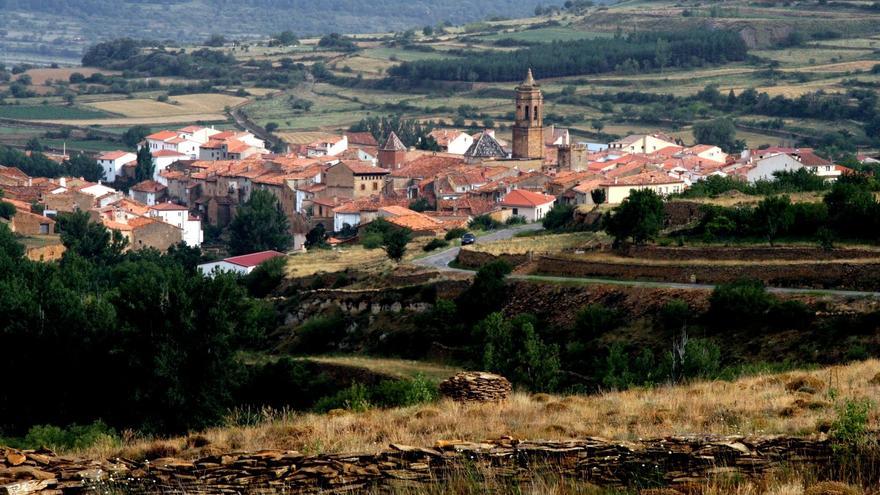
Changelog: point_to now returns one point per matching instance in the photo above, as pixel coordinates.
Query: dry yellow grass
(759, 405)
(540, 244)
(178, 105)
(40, 76)
(400, 368)
(349, 257)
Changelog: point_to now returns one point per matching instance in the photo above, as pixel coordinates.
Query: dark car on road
(468, 239)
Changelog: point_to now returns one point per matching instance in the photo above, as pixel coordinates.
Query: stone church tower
(528, 130)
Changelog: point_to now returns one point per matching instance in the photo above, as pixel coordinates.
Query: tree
(317, 237)
(135, 135)
(145, 168)
(598, 125)
(774, 215)
(395, 241)
(487, 292)
(79, 165)
(662, 54)
(598, 196)
(639, 216)
(514, 349)
(215, 40)
(287, 38)
(34, 145)
(88, 239)
(719, 132)
(559, 217)
(7, 210)
(420, 204)
(259, 225)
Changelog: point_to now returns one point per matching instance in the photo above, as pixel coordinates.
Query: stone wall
(677, 461)
(746, 253)
(51, 252)
(473, 260)
(819, 275)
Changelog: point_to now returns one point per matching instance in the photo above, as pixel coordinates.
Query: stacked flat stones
(476, 386)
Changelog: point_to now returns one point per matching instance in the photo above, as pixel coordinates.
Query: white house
(103, 195)
(620, 188)
(112, 161)
(642, 143)
(530, 205)
(148, 192)
(328, 146)
(707, 152)
(162, 159)
(179, 216)
(242, 265)
(766, 167)
(452, 140)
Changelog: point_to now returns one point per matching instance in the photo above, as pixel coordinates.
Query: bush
(559, 217)
(318, 334)
(594, 320)
(266, 277)
(516, 220)
(484, 222)
(435, 244)
(455, 233)
(742, 302)
(354, 398)
(72, 437)
(371, 240)
(387, 394)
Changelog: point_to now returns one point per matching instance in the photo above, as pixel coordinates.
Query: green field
(49, 112)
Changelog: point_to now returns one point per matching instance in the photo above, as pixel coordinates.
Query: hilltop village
(200, 176)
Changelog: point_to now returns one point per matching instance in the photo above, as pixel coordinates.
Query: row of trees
(36, 164)
(567, 58)
(139, 339)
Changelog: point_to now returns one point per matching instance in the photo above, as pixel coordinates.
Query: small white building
(162, 159)
(620, 188)
(328, 146)
(242, 265)
(642, 143)
(148, 192)
(179, 216)
(530, 205)
(766, 167)
(113, 161)
(452, 140)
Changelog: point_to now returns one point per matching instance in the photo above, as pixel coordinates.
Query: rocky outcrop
(476, 386)
(675, 462)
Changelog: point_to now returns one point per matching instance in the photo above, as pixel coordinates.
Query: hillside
(65, 27)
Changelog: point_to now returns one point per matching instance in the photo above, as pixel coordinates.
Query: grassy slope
(791, 403)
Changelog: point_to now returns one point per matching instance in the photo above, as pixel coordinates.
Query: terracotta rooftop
(520, 197)
(148, 186)
(393, 143)
(114, 155)
(168, 206)
(253, 259)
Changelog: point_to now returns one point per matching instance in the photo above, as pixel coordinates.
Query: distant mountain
(187, 20)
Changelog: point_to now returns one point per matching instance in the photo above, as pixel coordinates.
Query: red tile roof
(643, 179)
(113, 155)
(163, 153)
(148, 186)
(253, 259)
(168, 207)
(162, 136)
(520, 197)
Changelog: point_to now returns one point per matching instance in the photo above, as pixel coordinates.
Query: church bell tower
(528, 130)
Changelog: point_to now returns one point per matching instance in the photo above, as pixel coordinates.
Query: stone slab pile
(476, 386)
(679, 462)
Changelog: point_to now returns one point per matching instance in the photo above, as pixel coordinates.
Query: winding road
(440, 261)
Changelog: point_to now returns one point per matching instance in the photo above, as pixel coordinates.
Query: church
(533, 145)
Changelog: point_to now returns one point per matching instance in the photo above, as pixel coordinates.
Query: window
(44, 228)
(516, 211)
(363, 187)
(536, 112)
(375, 186)
(527, 112)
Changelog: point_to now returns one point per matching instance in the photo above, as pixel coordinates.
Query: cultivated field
(195, 104)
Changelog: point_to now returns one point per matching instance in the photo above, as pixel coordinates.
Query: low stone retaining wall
(676, 462)
(819, 275)
(746, 253)
(473, 260)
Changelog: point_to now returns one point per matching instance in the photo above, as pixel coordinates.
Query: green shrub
(318, 334)
(559, 217)
(594, 320)
(435, 244)
(354, 398)
(72, 437)
(790, 314)
(455, 233)
(516, 220)
(702, 359)
(850, 428)
(484, 222)
(266, 277)
(371, 240)
(743, 301)
(403, 393)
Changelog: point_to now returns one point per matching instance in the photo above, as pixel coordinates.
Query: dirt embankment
(746, 253)
(819, 275)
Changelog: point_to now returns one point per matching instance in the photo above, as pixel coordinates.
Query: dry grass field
(540, 244)
(40, 76)
(795, 403)
(194, 104)
(351, 257)
(399, 368)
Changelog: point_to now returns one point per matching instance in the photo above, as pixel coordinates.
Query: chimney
(615, 180)
(63, 181)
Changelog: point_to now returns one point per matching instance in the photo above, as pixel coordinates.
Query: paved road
(441, 260)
